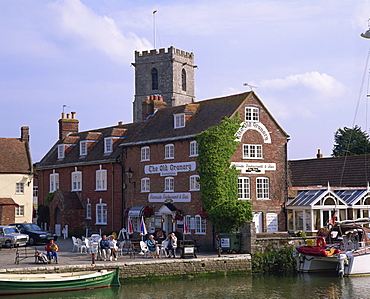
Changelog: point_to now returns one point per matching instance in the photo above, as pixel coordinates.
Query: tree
(219, 180)
(349, 142)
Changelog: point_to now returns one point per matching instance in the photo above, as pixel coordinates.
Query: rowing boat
(57, 282)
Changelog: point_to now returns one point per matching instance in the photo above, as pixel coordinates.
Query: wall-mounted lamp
(130, 174)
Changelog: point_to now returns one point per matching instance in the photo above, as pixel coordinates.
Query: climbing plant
(218, 179)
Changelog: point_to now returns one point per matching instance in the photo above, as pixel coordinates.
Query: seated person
(152, 245)
(52, 251)
(104, 247)
(113, 247)
(172, 244)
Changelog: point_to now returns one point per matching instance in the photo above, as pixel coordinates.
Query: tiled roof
(157, 128)
(351, 171)
(14, 156)
(6, 201)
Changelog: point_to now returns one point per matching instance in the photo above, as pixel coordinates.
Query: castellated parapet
(165, 72)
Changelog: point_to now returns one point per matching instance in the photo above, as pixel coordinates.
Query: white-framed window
(252, 151)
(169, 184)
(108, 145)
(263, 188)
(88, 209)
(179, 120)
(194, 185)
(169, 151)
(54, 181)
(19, 188)
(252, 114)
(193, 148)
(145, 185)
(61, 151)
(244, 191)
(187, 218)
(76, 180)
(200, 225)
(101, 179)
(83, 148)
(19, 211)
(145, 153)
(101, 213)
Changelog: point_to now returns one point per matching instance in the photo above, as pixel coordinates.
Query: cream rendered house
(16, 179)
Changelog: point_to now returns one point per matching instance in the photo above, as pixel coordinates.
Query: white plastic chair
(81, 246)
(88, 245)
(144, 248)
(163, 251)
(75, 244)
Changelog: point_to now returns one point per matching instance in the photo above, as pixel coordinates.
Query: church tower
(168, 74)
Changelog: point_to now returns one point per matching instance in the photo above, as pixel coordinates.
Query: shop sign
(168, 169)
(169, 197)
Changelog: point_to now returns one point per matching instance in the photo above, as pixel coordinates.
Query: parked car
(36, 235)
(10, 237)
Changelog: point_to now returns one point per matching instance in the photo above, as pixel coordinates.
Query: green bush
(274, 260)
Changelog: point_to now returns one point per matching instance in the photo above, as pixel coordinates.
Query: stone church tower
(168, 74)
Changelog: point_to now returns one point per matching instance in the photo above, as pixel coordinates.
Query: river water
(295, 286)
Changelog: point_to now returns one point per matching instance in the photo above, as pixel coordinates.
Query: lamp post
(130, 174)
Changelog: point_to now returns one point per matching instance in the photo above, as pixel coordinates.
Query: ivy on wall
(219, 180)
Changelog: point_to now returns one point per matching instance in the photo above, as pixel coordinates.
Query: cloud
(303, 95)
(94, 31)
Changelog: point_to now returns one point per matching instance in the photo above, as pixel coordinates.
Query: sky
(305, 60)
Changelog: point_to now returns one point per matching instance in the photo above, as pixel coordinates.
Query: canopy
(136, 211)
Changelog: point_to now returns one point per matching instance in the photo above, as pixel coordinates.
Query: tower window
(183, 79)
(154, 79)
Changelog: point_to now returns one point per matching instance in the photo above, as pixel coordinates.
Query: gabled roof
(351, 171)
(15, 156)
(159, 127)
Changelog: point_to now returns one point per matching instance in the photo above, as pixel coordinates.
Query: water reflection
(242, 286)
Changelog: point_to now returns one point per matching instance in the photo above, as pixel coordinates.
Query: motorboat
(345, 250)
(57, 282)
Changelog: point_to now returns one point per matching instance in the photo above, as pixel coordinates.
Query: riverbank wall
(156, 268)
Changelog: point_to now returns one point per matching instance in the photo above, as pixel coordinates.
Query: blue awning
(136, 211)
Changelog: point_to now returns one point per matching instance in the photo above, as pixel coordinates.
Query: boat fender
(320, 242)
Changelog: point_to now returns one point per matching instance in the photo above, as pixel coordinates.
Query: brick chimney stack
(151, 104)
(25, 134)
(67, 124)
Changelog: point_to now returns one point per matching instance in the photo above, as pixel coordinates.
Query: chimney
(25, 134)
(319, 154)
(150, 105)
(67, 125)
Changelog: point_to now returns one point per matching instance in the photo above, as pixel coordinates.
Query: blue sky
(305, 58)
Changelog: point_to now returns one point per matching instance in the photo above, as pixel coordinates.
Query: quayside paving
(138, 267)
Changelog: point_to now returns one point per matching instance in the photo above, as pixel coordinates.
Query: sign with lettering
(247, 167)
(169, 168)
(169, 197)
(272, 222)
(251, 125)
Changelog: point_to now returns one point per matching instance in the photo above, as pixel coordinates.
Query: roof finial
(328, 186)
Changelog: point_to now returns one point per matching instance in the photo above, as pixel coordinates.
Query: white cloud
(97, 32)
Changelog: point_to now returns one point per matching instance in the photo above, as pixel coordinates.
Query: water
(242, 286)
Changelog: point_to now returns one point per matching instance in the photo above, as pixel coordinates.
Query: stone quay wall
(224, 265)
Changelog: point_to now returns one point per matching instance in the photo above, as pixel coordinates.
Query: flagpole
(154, 12)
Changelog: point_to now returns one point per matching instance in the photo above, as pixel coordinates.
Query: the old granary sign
(247, 167)
(167, 169)
(169, 197)
(251, 125)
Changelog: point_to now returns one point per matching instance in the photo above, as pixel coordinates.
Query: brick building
(149, 168)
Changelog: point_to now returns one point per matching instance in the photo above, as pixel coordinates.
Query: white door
(257, 219)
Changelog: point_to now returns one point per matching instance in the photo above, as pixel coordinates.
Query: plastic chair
(75, 244)
(163, 251)
(144, 248)
(81, 246)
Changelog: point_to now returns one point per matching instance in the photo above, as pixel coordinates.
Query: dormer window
(179, 121)
(61, 151)
(252, 114)
(83, 148)
(108, 145)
